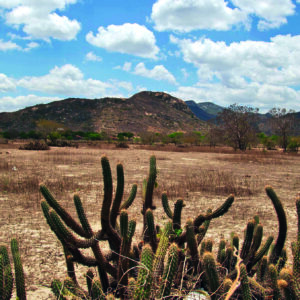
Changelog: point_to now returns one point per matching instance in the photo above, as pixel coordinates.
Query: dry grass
(202, 179)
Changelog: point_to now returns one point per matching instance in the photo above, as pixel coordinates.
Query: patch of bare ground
(202, 179)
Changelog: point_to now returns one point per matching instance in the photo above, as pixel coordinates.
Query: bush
(122, 145)
(36, 145)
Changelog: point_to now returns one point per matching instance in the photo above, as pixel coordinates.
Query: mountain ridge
(144, 111)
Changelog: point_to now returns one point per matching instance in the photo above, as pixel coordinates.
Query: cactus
(211, 272)
(282, 225)
(144, 280)
(163, 259)
(245, 283)
(170, 270)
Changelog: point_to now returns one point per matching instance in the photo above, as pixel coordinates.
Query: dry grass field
(202, 178)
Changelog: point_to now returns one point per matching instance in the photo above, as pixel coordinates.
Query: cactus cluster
(171, 261)
(6, 274)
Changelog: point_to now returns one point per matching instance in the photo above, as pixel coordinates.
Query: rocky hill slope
(145, 111)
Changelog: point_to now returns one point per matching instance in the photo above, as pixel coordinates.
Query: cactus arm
(131, 197)
(165, 204)
(170, 270)
(211, 273)
(151, 230)
(19, 273)
(89, 280)
(273, 279)
(66, 217)
(248, 239)
(279, 244)
(7, 274)
(144, 280)
(179, 204)
(118, 195)
(161, 250)
(82, 217)
(263, 250)
(97, 292)
(198, 221)
(192, 243)
(223, 208)
(245, 283)
(68, 236)
(113, 237)
(150, 184)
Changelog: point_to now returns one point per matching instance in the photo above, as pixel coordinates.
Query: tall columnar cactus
(170, 270)
(276, 252)
(6, 275)
(144, 280)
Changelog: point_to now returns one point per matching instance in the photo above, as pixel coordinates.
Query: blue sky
(238, 51)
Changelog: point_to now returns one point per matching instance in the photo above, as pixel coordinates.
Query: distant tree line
(236, 126)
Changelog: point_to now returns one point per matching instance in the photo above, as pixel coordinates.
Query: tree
(238, 124)
(282, 122)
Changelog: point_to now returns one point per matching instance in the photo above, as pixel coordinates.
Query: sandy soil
(69, 171)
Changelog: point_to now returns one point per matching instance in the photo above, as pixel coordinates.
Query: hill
(145, 111)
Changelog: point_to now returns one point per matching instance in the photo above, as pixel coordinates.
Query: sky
(235, 51)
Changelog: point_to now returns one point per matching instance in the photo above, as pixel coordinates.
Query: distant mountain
(145, 111)
(204, 110)
(199, 112)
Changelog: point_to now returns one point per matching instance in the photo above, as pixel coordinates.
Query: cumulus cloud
(188, 15)
(9, 45)
(9, 104)
(273, 62)
(159, 72)
(262, 96)
(6, 84)
(39, 19)
(66, 80)
(272, 13)
(246, 71)
(91, 56)
(128, 38)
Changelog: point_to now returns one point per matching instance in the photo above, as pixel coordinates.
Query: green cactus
(179, 204)
(248, 239)
(19, 273)
(211, 272)
(245, 283)
(279, 244)
(170, 270)
(144, 280)
(222, 245)
(192, 243)
(274, 284)
(165, 204)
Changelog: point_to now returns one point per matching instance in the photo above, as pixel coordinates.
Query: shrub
(36, 145)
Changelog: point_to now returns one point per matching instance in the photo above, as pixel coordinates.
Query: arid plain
(203, 178)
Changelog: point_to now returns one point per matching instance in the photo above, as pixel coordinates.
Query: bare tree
(282, 122)
(238, 124)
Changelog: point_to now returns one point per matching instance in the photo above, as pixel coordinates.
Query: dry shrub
(36, 145)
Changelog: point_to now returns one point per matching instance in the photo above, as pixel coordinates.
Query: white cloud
(128, 38)
(5, 46)
(6, 84)
(259, 73)
(9, 104)
(262, 96)
(91, 56)
(39, 20)
(273, 13)
(188, 15)
(159, 72)
(275, 62)
(127, 66)
(66, 80)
